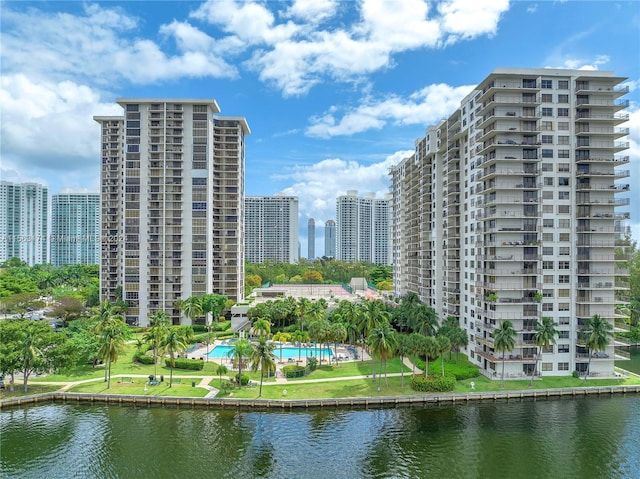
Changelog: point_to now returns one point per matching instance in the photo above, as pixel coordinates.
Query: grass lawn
(483, 384)
(32, 389)
(137, 388)
(365, 387)
(353, 368)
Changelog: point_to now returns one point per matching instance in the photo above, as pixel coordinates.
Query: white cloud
(532, 8)
(425, 106)
(47, 125)
(582, 63)
(312, 11)
(318, 185)
(91, 47)
(469, 19)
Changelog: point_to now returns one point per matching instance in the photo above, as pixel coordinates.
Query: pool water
(287, 352)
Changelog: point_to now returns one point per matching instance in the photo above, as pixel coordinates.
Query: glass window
(563, 195)
(563, 366)
(547, 222)
(547, 111)
(563, 140)
(563, 98)
(563, 279)
(565, 223)
(563, 153)
(547, 98)
(563, 181)
(564, 209)
(563, 125)
(547, 139)
(546, 125)
(547, 84)
(563, 112)
(563, 84)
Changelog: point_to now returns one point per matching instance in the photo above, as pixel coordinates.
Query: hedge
(143, 358)
(294, 371)
(180, 363)
(433, 383)
(244, 380)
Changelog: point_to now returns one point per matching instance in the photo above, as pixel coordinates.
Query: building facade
(363, 228)
(24, 215)
(330, 239)
(75, 228)
(508, 210)
(311, 239)
(172, 200)
(271, 229)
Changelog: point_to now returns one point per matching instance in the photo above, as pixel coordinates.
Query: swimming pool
(287, 352)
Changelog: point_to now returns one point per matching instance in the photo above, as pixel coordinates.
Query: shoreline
(382, 401)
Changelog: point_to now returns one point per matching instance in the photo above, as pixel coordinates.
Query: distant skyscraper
(271, 229)
(311, 239)
(172, 178)
(363, 228)
(330, 239)
(24, 212)
(75, 228)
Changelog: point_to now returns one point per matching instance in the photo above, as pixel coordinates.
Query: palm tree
(404, 348)
(220, 370)
(192, 307)
(423, 319)
(159, 322)
(174, 342)
(262, 358)
(106, 319)
(337, 333)
(427, 345)
(30, 353)
(112, 342)
(382, 343)
(240, 352)
(261, 327)
(373, 315)
(443, 345)
(544, 337)
(596, 337)
(504, 339)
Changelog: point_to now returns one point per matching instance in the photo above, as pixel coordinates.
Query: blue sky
(334, 92)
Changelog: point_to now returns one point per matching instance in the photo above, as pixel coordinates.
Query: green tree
(404, 348)
(428, 346)
(239, 354)
(382, 343)
(444, 345)
(312, 277)
(112, 339)
(153, 337)
(174, 342)
(300, 337)
(262, 358)
(596, 337)
(220, 370)
(544, 336)
(192, 308)
(261, 327)
(504, 339)
(68, 309)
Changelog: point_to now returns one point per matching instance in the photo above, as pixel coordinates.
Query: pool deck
(342, 353)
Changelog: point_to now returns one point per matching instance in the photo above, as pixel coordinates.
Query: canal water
(594, 437)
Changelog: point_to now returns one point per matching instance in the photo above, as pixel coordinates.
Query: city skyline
(354, 84)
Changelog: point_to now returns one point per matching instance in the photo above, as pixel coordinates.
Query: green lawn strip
(353, 368)
(32, 389)
(137, 387)
(365, 387)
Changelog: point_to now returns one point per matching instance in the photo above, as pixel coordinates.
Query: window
(547, 139)
(564, 223)
(563, 293)
(547, 366)
(563, 84)
(547, 208)
(547, 306)
(547, 251)
(547, 166)
(547, 195)
(563, 195)
(563, 181)
(546, 125)
(547, 293)
(547, 153)
(565, 251)
(547, 111)
(547, 84)
(563, 366)
(548, 278)
(548, 181)
(563, 307)
(563, 265)
(563, 153)
(564, 209)
(547, 223)
(547, 265)
(563, 125)
(563, 112)
(547, 237)
(563, 279)
(547, 98)
(563, 167)
(563, 140)
(563, 348)
(563, 335)
(563, 98)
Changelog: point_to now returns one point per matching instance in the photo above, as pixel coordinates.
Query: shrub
(143, 358)
(432, 383)
(226, 384)
(180, 363)
(244, 380)
(576, 374)
(312, 363)
(293, 371)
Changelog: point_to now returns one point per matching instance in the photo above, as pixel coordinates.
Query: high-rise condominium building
(507, 210)
(24, 213)
(363, 228)
(172, 195)
(271, 228)
(330, 239)
(311, 238)
(75, 228)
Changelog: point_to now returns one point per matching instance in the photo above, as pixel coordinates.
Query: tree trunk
(442, 363)
(261, 378)
(170, 369)
(380, 375)
(426, 366)
(502, 369)
(401, 372)
(25, 380)
(11, 382)
(588, 369)
(108, 371)
(535, 367)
